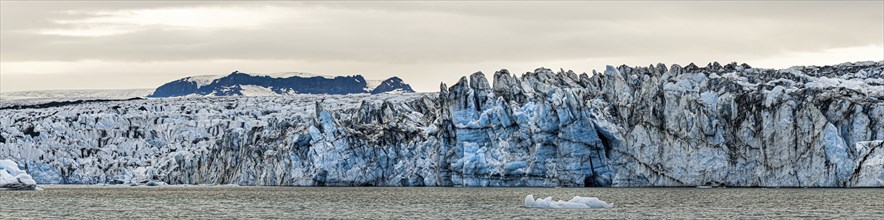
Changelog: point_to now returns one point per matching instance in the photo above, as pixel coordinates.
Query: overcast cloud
(106, 45)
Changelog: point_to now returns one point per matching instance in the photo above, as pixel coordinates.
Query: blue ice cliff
(734, 125)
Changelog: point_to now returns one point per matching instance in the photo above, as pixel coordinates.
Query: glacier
(729, 125)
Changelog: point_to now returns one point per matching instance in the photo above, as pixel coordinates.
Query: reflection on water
(483, 203)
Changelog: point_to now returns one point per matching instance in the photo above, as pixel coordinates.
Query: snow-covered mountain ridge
(245, 84)
(628, 126)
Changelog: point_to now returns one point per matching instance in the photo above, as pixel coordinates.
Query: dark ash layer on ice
(728, 125)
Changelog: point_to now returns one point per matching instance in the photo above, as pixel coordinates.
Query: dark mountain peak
(244, 84)
(392, 85)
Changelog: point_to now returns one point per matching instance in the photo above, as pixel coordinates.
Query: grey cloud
(464, 32)
(458, 33)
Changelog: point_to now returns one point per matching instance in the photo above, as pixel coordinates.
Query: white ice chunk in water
(156, 183)
(591, 202)
(578, 202)
(13, 178)
(529, 201)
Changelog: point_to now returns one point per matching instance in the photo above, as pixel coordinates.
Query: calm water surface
(91, 202)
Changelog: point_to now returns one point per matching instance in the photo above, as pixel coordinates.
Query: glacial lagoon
(212, 202)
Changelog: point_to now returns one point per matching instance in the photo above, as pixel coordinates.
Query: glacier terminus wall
(731, 125)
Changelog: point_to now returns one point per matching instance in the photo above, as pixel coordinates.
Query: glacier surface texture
(730, 125)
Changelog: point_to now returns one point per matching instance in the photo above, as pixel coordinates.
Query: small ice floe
(148, 183)
(156, 183)
(13, 178)
(213, 185)
(578, 202)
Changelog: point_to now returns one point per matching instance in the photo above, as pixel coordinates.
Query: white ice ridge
(578, 202)
(292, 74)
(13, 178)
(203, 80)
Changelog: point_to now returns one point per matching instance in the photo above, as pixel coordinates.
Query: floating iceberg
(13, 178)
(156, 183)
(578, 202)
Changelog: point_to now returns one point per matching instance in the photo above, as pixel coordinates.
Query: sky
(121, 45)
